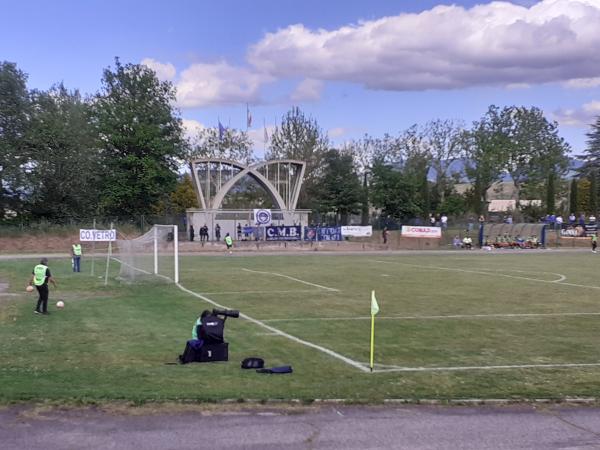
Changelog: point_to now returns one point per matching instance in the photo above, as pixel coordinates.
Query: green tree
(64, 156)
(583, 195)
(593, 195)
(573, 196)
(141, 137)
(394, 192)
(592, 151)
(233, 145)
(551, 194)
(338, 190)
(299, 137)
(14, 122)
(178, 201)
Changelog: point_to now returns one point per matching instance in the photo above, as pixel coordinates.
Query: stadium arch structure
(214, 178)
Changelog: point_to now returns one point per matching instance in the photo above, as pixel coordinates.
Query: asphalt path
(325, 427)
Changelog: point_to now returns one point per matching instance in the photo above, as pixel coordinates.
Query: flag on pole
(248, 117)
(374, 305)
(221, 131)
(374, 311)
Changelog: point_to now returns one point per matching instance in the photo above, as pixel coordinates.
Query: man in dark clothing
(218, 232)
(192, 233)
(39, 278)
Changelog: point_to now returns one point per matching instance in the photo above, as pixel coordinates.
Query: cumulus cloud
(191, 128)
(336, 132)
(257, 136)
(206, 84)
(307, 90)
(583, 83)
(579, 117)
(164, 71)
(446, 47)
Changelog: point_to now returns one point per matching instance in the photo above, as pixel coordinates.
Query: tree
(141, 138)
(233, 145)
(583, 195)
(551, 194)
(299, 137)
(394, 192)
(592, 151)
(593, 195)
(64, 156)
(178, 201)
(573, 196)
(14, 122)
(338, 190)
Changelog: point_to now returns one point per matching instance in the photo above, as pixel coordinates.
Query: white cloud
(336, 132)
(447, 47)
(164, 71)
(583, 83)
(217, 84)
(257, 136)
(307, 90)
(191, 128)
(579, 117)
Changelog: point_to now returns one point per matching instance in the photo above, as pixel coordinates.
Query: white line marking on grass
(560, 276)
(292, 278)
(495, 274)
(362, 367)
(300, 291)
(439, 317)
(457, 368)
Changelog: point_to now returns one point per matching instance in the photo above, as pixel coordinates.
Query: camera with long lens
(226, 312)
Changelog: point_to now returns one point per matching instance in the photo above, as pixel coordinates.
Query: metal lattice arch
(214, 178)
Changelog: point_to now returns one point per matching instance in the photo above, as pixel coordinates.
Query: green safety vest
(77, 249)
(228, 240)
(594, 238)
(39, 274)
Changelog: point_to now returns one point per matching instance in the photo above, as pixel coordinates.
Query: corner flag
(374, 311)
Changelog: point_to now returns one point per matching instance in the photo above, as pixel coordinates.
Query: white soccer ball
(60, 304)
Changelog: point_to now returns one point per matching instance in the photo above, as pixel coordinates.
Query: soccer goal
(155, 253)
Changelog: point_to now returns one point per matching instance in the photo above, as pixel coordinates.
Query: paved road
(324, 427)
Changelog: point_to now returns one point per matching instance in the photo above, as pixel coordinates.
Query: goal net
(152, 254)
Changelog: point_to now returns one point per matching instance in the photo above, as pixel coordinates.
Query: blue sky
(357, 67)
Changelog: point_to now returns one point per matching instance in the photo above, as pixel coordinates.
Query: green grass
(112, 343)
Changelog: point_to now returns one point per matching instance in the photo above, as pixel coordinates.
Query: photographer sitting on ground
(197, 341)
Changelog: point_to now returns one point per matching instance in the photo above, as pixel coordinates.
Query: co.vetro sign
(97, 235)
(283, 233)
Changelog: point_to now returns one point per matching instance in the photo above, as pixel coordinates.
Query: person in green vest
(39, 278)
(76, 257)
(594, 242)
(228, 242)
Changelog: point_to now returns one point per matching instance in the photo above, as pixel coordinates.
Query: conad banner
(421, 232)
(283, 233)
(322, 233)
(97, 235)
(357, 231)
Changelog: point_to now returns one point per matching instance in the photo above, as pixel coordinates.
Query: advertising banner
(322, 233)
(97, 235)
(262, 217)
(357, 231)
(283, 233)
(421, 232)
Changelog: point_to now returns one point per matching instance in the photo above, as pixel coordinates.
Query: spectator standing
(559, 222)
(572, 219)
(582, 219)
(384, 235)
(444, 220)
(192, 231)
(594, 242)
(432, 220)
(218, 232)
(481, 221)
(592, 218)
(239, 231)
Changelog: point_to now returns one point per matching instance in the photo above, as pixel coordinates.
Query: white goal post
(155, 253)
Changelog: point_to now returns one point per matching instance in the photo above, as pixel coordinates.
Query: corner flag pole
(374, 311)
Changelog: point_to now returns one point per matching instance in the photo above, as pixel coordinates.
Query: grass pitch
(451, 326)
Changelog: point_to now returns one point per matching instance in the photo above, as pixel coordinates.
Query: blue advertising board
(283, 233)
(322, 233)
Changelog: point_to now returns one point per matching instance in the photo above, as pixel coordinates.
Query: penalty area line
(292, 278)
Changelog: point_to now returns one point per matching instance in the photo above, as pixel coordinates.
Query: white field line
(440, 317)
(278, 332)
(494, 274)
(459, 368)
(292, 278)
(300, 291)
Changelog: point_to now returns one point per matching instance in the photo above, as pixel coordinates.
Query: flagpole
(372, 338)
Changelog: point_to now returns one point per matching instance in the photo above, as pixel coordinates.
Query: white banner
(421, 232)
(357, 231)
(262, 217)
(97, 235)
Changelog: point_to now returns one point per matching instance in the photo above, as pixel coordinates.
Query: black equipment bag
(214, 352)
(279, 369)
(212, 329)
(253, 363)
